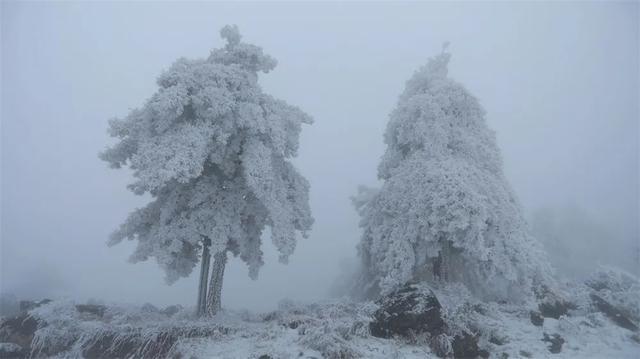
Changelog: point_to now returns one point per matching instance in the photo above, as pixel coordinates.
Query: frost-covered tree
(445, 211)
(213, 152)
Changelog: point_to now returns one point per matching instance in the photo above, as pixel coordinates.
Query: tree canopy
(213, 150)
(445, 209)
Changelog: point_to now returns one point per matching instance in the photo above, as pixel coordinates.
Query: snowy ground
(582, 341)
(337, 329)
(585, 337)
(340, 328)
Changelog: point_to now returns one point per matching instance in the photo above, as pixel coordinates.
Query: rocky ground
(598, 319)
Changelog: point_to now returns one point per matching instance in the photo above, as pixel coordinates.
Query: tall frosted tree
(445, 212)
(213, 152)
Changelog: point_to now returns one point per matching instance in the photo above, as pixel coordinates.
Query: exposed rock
(294, 324)
(93, 309)
(552, 303)
(171, 310)
(415, 309)
(410, 310)
(498, 340)
(536, 318)
(618, 316)
(555, 342)
(466, 346)
(555, 308)
(525, 354)
(264, 356)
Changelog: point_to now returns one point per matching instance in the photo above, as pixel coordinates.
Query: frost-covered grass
(136, 331)
(331, 329)
(340, 328)
(334, 329)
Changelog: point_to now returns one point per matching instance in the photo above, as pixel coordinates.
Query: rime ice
(213, 151)
(445, 211)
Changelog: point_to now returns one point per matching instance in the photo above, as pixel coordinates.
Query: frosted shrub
(618, 287)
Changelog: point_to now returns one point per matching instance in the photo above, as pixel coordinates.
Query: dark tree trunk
(204, 273)
(214, 296)
(442, 266)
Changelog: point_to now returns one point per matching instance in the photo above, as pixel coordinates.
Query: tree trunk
(214, 296)
(442, 265)
(204, 273)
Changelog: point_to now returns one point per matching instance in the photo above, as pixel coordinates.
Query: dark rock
(171, 310)
(413, 309)
(552, 303)
(264, 356)
(93, 309)
(618, 316)
(497, 340)
(12, 350)
(18, 330)
(536, 318)
(525, 354)
(466, 346)
(555, 342)
(555, 308)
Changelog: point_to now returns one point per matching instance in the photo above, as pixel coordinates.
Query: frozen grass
(332, 329)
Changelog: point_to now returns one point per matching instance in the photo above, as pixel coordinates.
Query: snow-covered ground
(576, 326)
(585, 337)
(333, 329)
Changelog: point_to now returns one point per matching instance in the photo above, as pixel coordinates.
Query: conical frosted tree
(213, 151)
(445, 212)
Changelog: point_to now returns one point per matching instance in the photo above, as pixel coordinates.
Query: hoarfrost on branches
(618, 287)
(445, 211)
(212, 150)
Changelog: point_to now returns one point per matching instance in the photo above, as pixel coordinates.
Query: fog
(560, 84)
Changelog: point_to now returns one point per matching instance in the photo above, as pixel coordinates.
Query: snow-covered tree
(445, 211)
(213, 151)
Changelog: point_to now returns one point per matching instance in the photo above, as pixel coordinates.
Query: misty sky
(560, 83)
